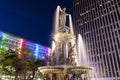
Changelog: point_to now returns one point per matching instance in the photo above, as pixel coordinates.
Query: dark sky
(31, 19)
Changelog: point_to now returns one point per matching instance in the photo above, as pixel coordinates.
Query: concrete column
(79, 76)
(50, 76)
(82, 76)
(87, 77)
(59, 77)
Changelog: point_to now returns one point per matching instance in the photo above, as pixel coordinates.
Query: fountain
(67, 60)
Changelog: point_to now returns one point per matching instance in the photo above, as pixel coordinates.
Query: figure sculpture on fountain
(62, 20)
(62, 17)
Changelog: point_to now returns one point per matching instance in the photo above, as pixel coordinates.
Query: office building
(98, 21)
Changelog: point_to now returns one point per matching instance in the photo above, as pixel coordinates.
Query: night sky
(31, 19)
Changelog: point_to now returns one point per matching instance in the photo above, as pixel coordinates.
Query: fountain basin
(67, 69)
(63, 72)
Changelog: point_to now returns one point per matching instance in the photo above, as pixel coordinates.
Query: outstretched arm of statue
(63, 11)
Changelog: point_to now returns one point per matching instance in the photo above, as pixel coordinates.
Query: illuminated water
(71, 25)
(81, 56)
(56, 19)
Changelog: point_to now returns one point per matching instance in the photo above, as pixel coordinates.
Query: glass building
(98, 21)
(15, 43)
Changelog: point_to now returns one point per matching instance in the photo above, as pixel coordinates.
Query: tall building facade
(98, 21)
(9, 41)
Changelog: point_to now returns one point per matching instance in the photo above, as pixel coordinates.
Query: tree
(10, 64)
(8, 59)
(32, 63)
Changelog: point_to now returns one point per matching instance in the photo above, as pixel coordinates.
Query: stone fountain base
(66, 72)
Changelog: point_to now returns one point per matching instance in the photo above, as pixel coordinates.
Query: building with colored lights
(98, 21)
(15, 43)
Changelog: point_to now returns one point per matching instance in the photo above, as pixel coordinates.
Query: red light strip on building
(20, 54)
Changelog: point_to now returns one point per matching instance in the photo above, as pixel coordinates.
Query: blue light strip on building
(36, 52)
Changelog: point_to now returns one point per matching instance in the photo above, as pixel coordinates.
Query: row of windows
(102, 21)
(103, 35)
(95, 3)
(102, 47)
(11, 46)
(99, 11)
(14, 44)
(103, 39)
(95, 25)
(95, 12)
(109, 62)
(107, 32)
(90, 14)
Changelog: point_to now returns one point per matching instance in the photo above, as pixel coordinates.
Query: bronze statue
(62, 17)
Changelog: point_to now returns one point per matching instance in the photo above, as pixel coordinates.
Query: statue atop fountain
(62, 17)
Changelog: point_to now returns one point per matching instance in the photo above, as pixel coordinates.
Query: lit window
(77, 3)
(100, 5)
(108, 1)
(93, 8)
(86, 11)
